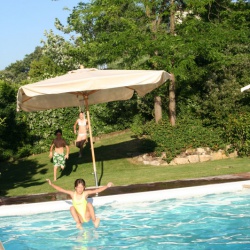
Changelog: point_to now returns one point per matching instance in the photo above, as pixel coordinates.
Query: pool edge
(177, 193)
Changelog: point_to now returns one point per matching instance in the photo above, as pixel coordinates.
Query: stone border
(189, 156)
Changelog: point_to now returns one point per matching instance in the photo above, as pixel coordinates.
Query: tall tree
(218, 38)
(127, 34)
(18, 71)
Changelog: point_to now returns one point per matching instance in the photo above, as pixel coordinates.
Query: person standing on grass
(59, 156)
(82, 136)
(82, 210)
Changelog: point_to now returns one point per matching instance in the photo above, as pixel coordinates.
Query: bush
(188, 133)
(137, 125)
(237, 132)
(5, 154)
(23, 151)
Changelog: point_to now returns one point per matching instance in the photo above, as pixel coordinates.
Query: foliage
(188, 133)
(237, 132)
(112, 116)
(44, 68)
(18, 72)
(42, 126)
(13, 133)
(137, 125)
(219, 41)
(57, 49)
(208, 54)
(2, 121)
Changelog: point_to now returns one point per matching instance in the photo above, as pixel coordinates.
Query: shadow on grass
(116, 151)
(20, 174)
(127, 149)
(71, 165)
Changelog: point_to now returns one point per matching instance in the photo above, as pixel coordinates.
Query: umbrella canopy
(99, 86)
(245, 88)
(88, 86)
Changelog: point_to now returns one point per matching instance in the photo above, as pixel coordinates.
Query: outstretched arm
(75, 126)
(67, 152)
(99, 190)
(51, 150)
(59, 188)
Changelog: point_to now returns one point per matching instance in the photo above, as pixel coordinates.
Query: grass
(113, 162)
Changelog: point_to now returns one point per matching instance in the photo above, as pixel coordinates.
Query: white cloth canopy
(99, 86)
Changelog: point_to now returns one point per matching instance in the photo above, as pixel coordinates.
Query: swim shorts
(59, 159)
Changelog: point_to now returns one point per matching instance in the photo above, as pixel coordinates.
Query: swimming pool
(214, 221)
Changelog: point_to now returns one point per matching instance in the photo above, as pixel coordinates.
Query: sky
(22, 25)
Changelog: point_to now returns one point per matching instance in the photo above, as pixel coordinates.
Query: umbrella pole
(91, 139)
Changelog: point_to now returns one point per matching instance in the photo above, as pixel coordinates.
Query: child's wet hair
(79, 181)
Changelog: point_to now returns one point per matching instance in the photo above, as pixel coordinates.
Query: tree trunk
(172, 17)
(158, 109)
(172, 103)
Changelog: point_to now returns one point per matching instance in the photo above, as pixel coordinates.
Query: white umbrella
(91, 86)
(245, 88)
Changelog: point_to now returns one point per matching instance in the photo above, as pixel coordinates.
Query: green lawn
(113, 163)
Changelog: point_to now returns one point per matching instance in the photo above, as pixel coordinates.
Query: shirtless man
(82, 136)
(59, 156)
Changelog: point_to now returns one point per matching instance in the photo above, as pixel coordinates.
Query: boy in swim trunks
(82, 136)
(59, 156)
(82, 210)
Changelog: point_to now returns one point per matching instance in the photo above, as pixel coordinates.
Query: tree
(57, 49)
(44, 68)
(11, 138)
(18, 71)
(218, 39)
(126, 34)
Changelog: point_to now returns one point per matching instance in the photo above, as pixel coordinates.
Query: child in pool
(82, 210)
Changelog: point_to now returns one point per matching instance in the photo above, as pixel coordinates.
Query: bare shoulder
(86, 193)
(71, 193)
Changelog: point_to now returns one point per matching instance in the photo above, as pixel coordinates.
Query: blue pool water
(210, 222)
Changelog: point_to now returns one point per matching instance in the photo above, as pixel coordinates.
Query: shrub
(188, 133)
(237, 132)
(137, 125)
(5, 154)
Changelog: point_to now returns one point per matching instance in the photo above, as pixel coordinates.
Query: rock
(164, 163)
(147, 157)
(233, 155)
(140, 158)
(180, 161)
(205, 158)
(189, 156)
(190, 151)
(163, 155)
(172, 163)
(216, 156)
(200, 151)
(193, 158)
(155, 163)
